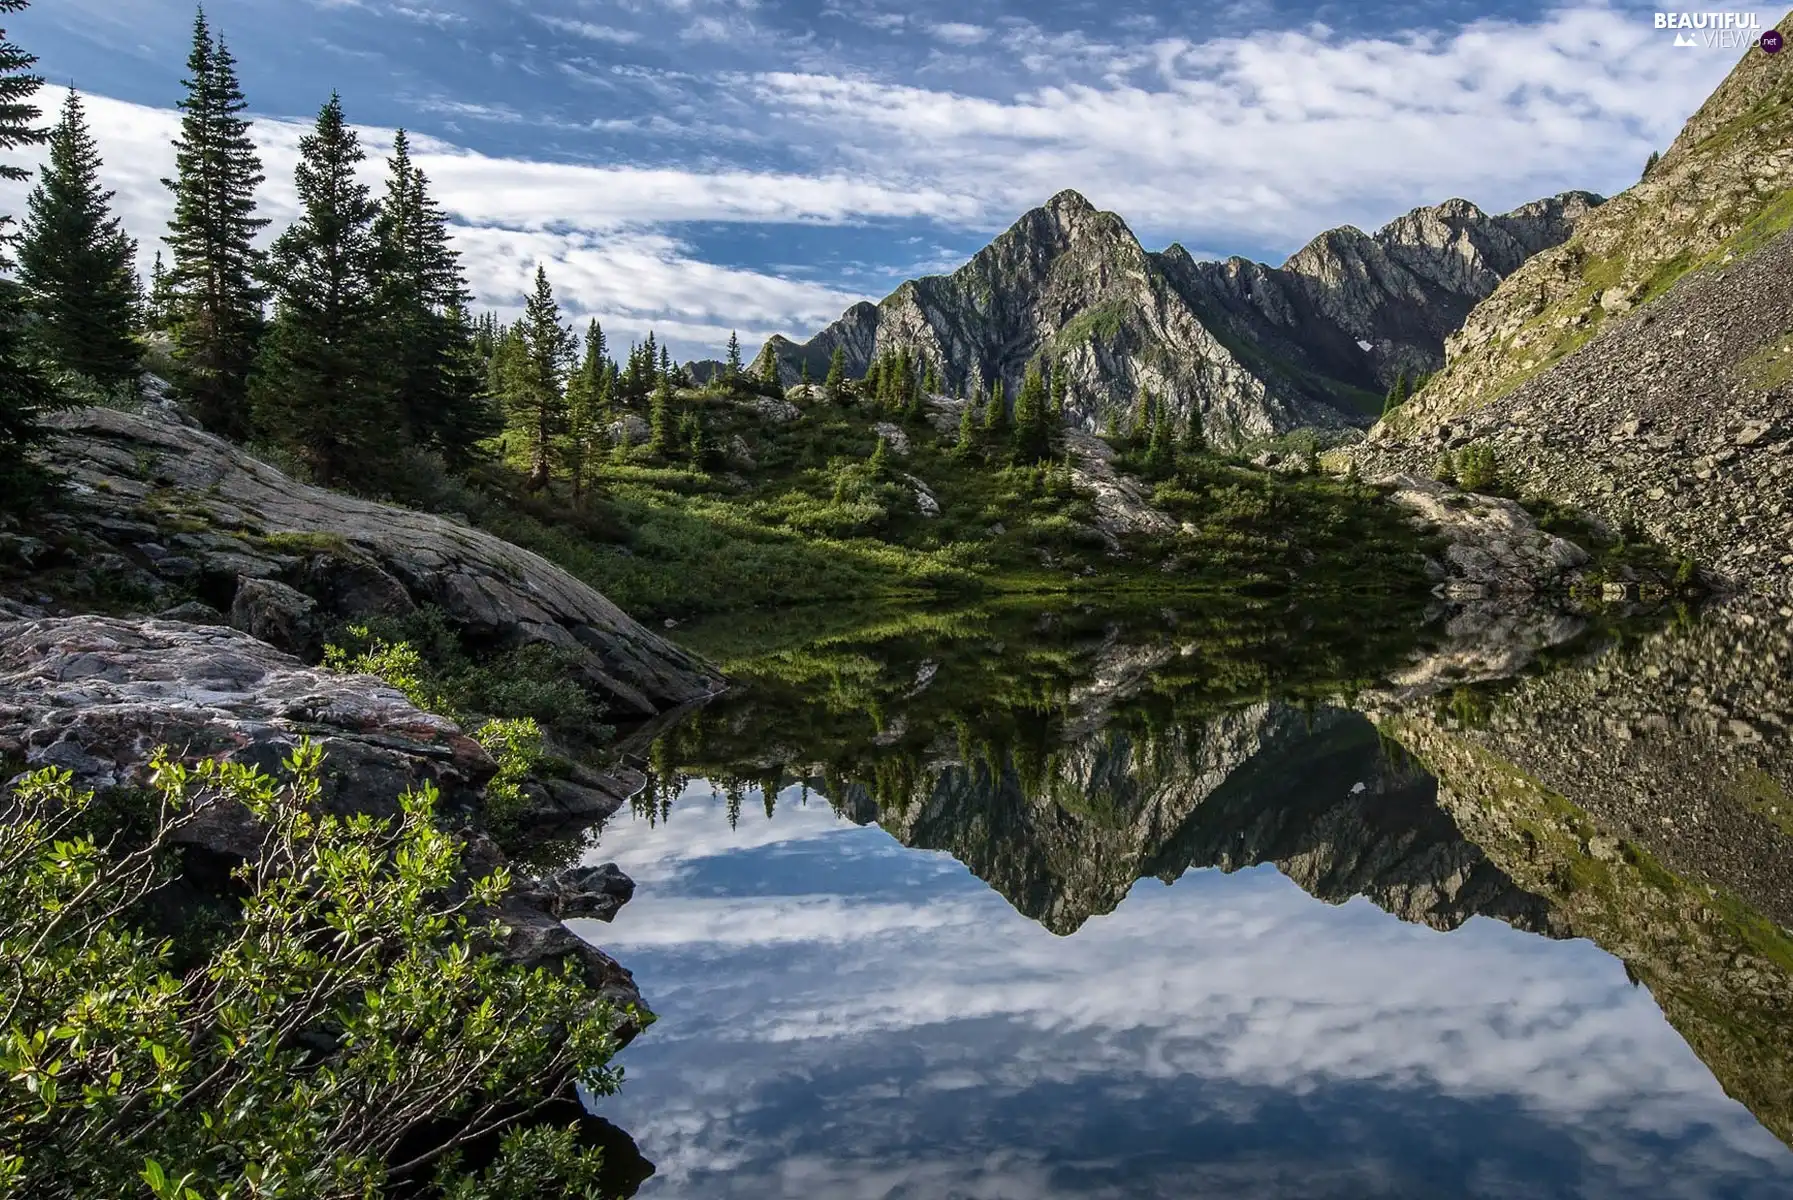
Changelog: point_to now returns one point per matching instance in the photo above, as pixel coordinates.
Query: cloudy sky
(700, 165)
(845, 1019)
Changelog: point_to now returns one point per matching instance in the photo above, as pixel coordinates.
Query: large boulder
(97, 696)
(218, 517)
(284, 617)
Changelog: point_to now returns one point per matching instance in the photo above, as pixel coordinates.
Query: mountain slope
(1258, 350)
(1724, 180)
(1643, 371)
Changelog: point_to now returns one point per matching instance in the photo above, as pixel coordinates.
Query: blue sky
(701, 165)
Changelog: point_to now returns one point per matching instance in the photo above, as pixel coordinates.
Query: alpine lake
(1234, 899)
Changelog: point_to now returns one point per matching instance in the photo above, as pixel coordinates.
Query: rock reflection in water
(844, 1016)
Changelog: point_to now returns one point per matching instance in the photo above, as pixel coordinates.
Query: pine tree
(586, 405)
(322, 384)
(26, 391)
(666, 372)
(214, 276)
(1061, 386)
(1195, 438)
(837, 375)
(159, 310)
(701, 445)
(769, 366)
(18, 116)
(538, 402)
(1140, 433)
(966, 446)
(1158, 448)
(659, 421)
(77, 264)
(1032, 432)
(733, 362)
(880, 460)
(996, 414)
(1397, 394)
(422, 296)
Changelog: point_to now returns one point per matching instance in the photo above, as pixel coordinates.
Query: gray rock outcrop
(220, 520)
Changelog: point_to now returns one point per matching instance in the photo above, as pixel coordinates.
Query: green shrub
(349, 1006)
(1478, 469)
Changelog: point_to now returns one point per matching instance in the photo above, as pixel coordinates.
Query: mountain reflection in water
(935, 966)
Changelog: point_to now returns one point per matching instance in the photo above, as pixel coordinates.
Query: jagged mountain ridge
(1259, 350)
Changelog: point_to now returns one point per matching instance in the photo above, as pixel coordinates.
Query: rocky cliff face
(161, 513)
(1257, 350)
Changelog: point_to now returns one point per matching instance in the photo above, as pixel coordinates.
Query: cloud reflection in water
(845, 1017)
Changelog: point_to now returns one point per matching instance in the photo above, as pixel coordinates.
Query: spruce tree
(733, 362)
(586, 408)
(322, 384)
(769, 366)
(422, 296)
(77, 264)
(837, 375)
(1061, 386)
(538, 399)
(214, 276)
(18, 115)
(966, 446)
(665, 363)
(659, 421)
(996, 414)
(26, 391)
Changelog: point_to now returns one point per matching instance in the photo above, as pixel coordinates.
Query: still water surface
(1247, 952)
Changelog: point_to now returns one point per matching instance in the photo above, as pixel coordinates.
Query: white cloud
(594, 32)
(958, 33)
(1275, 136)
(592, 226)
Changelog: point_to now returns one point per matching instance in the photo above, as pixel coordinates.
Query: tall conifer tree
(837, 375)
(588, 405)
(77, 264)
(732, 366)
(214, 276)
(26, 392)
(538, 396)
(422, 297)
(322, 384)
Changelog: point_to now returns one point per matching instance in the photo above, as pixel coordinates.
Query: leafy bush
(349, 1006)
